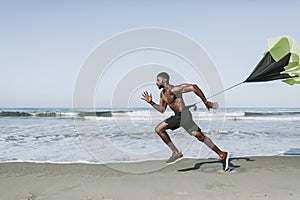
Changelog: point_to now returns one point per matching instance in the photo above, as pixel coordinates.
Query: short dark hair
(164, 75)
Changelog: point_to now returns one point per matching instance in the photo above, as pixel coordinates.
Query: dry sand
(250, 178)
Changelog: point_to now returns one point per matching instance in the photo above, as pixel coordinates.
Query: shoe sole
(170, 163)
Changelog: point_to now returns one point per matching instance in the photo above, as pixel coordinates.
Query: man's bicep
(163, 104)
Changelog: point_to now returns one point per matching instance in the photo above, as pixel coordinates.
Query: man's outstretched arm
(161, 107)
(183, 88)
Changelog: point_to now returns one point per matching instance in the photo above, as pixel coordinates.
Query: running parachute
(281, 61)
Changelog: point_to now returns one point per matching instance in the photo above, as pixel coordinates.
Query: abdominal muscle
(177, 105)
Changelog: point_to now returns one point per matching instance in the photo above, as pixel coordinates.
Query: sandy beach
(273, 177)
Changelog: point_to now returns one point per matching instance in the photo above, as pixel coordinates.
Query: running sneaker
(174, 158)
(225, 161)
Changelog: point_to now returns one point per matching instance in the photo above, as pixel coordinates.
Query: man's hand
(213, 105)
(147, 97)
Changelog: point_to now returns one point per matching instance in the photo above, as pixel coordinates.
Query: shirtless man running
(172, 96)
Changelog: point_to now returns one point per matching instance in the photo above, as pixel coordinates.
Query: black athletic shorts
(182, 119)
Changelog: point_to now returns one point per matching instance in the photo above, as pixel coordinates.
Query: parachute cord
(226, 90)
(194, 105)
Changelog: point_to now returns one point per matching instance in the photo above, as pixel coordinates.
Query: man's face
(160, 82)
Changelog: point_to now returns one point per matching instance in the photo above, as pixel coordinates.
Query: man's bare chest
(169, 98)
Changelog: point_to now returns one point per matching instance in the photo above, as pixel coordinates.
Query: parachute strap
(192, 106)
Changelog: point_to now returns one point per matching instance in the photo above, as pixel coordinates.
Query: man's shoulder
(175, 87)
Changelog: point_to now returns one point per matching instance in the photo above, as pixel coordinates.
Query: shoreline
(283, 154)
(272, 177)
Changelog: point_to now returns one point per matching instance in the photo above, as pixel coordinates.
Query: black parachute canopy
(268, 69)
(280, 62)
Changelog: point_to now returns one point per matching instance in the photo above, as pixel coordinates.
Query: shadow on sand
(232, 166)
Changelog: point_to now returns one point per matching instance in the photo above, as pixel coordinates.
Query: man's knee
(199, 135)
(157, 129)
(160, 128)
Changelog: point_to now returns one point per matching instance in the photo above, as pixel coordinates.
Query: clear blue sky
(44, 43)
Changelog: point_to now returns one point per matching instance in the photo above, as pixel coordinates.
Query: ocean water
(104, 135)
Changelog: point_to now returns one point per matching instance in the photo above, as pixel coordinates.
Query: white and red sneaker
(225, 161)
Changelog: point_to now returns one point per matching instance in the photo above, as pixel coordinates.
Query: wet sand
(252, 178)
